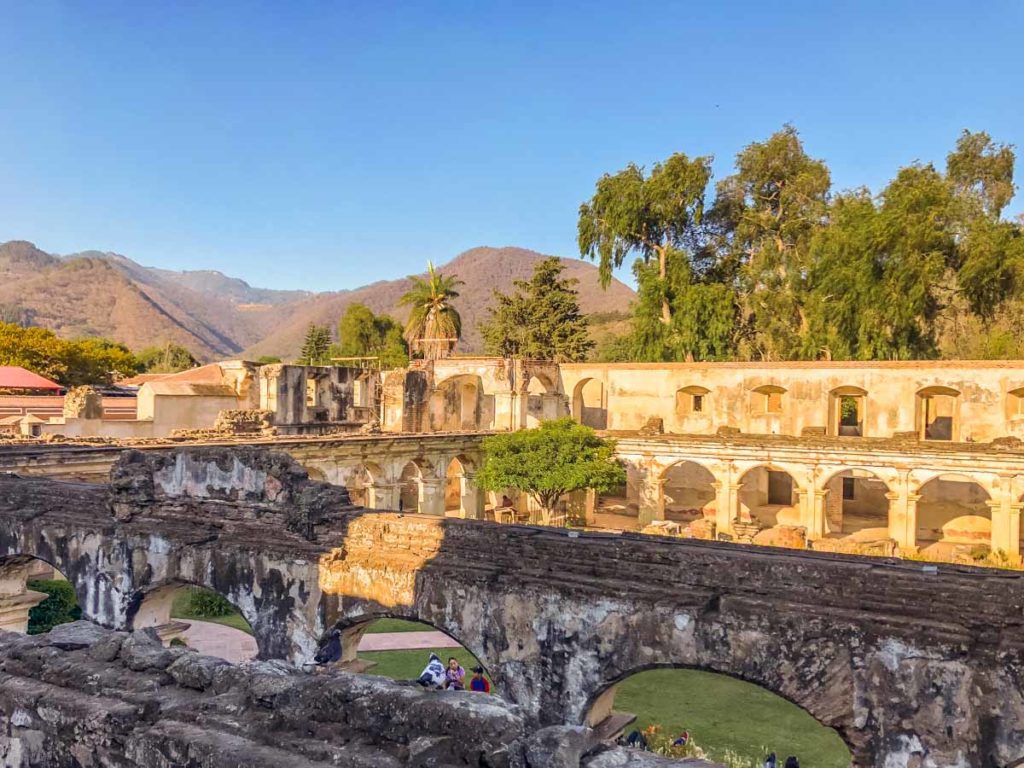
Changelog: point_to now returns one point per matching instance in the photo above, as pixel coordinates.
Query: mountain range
(215, 316)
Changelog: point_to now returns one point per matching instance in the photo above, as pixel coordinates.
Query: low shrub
(59, 608)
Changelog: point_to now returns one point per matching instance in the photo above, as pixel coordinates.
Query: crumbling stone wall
(912, 663)
(82, 695)
(83, 403)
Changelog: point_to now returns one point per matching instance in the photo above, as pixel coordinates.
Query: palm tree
(434, 324)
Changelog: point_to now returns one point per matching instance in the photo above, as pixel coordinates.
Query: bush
(202, 602)
(59, 608)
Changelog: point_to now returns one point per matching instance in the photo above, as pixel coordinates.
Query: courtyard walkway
(237, 646)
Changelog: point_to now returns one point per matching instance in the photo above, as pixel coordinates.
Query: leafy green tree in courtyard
(434, 325)
(547, 462)
(316, 345)
(541, 320)
(361, 333)
(167, 358)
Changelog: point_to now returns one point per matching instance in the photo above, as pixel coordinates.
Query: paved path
(406, 641)
(228, 643)
(236, 646)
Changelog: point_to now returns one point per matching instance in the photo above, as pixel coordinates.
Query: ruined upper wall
(625, 395)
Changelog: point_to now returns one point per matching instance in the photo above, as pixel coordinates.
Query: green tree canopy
(541, 320)
(316, 345)
(655, 217)
(71, 363)
(434, 325)
(550, 461)
(361, 333)
(167, 358)
(779, 268)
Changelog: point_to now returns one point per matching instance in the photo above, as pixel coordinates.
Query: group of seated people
(452, 677)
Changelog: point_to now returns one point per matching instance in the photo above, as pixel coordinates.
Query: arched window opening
(1015, 404)
(199, 618)
(768, 498)
(34, 596)
(689, 495)
(766, 399)
(954, 518)
(857, 506)
(723, 719)
(938, 413)
(401, 649)
(691, 401)
(588, 406)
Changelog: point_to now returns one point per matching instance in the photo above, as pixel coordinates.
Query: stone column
(505, 418)
(16, 600)
(471, 504)
(590, 507)
(383, 495)
(652, 498)
(903, 514)
(812, 511)
(1006, 523)
(432, 496)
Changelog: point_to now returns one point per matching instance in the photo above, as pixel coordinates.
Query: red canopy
(16, 377)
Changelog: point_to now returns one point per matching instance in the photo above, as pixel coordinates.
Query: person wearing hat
(479, 682)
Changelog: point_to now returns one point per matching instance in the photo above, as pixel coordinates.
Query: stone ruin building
(829, 461)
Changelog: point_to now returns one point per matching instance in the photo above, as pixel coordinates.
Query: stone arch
(17, 598)
(688, 489)
(768, 496)
(354, 628)
(152, 607)
(953, 514)
(457, 404)
(409, 480)
(857, 504)
(937, 413)
(461, 498)
(847, 407)
(588, 406)
(100, 591)
(600, 707)
(359, 483)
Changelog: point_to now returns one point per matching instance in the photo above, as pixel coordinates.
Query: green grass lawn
(722, 713)
(719, 712)
(180, 609)
(409, 665)
(397, 625)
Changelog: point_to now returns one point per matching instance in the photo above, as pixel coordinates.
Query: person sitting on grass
(434, 675)
(454, 675)
(479, 682)
(792, 762)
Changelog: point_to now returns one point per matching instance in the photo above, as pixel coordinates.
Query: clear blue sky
(326, 145)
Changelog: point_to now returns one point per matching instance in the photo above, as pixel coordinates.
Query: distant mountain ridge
(96, 293)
